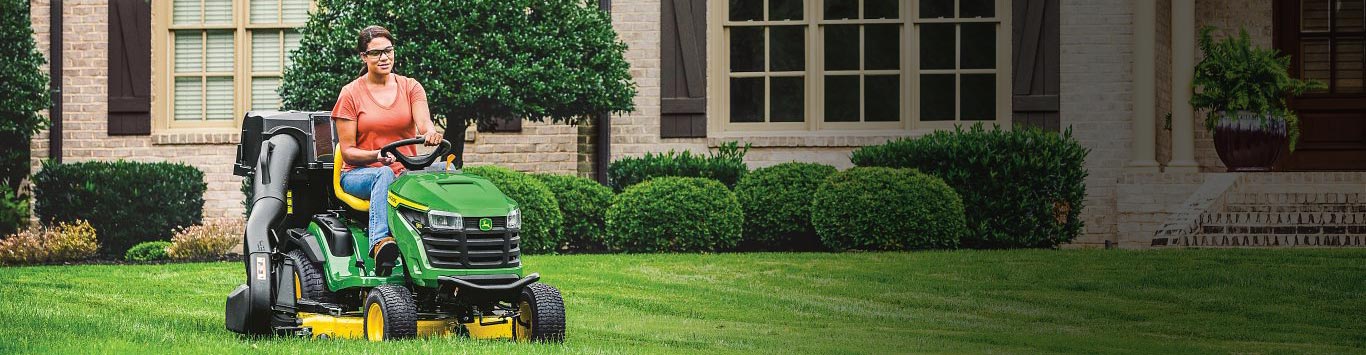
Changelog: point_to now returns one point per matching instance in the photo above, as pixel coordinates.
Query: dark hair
(366, 35)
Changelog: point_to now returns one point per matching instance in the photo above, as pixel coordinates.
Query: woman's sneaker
(385, 253)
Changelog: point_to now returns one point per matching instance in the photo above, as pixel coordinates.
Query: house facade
(803, 80)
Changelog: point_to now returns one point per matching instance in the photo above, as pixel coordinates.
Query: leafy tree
(23, 94)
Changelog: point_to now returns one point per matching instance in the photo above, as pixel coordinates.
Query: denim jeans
(371, 183)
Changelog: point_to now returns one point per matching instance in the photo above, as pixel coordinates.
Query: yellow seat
(352, 201)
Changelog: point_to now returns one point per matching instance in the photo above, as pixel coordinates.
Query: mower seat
(351, 201)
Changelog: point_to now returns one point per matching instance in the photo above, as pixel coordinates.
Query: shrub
(209, 241)
(23, 73)
(726, 164)
(128, 202)
(65, 242)
(1023, 188)
(583, 203)
(148, 251)
(679, 214)
(541, 218)
(777, 205)
(887, 209)
(13, 212)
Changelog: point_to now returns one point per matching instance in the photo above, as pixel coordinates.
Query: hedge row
(127, 202)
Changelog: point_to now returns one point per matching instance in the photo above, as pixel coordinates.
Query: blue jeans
(372, 182)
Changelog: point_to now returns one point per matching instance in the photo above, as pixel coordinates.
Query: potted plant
(1242, 90)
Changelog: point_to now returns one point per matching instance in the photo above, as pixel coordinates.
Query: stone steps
(1282, 210)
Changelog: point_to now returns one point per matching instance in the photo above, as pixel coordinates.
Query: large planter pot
(1247, 141)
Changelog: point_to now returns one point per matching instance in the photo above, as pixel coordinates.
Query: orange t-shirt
(378, 124)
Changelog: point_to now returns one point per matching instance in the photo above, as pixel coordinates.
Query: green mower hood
(467, 194)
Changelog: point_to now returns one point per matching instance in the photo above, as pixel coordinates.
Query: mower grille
(473, 248)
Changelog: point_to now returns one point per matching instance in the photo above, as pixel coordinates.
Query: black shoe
(385, 253)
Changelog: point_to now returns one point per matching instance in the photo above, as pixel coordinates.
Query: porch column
(1142, 155)
(1183, 71)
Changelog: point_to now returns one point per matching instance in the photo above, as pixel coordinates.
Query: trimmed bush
(583, 203)
(1023, 188)
(148, 251)
(726, 164)
(64, 242)
(541, 218)
(679, 214)
(209, 241)
(25, 94)
(777, 205)
(887, 209)
(127, 202)
(13, 212)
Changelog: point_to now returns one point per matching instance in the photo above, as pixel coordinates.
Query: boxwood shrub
(726, 164)
(887, 209)
(541, 218)
(583, 203)
(679, 214)
(13, 212)
(127, 202)
(148, 251)
(777, 205)
(1023, 188)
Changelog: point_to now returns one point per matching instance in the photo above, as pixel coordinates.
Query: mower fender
(308, 243)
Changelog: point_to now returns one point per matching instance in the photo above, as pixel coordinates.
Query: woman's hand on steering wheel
(432, 138)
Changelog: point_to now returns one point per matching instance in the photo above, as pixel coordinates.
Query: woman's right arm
(346, 137)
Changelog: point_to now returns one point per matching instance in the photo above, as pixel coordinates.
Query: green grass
(1074, 301)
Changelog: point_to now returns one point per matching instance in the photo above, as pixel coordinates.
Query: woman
(376, 109)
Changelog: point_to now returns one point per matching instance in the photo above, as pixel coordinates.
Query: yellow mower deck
(353, 327)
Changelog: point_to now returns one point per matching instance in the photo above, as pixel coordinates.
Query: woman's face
(379, 56)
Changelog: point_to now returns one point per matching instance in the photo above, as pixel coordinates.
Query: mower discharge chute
(306, 254)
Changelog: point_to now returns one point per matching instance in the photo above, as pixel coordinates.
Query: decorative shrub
(583, 203)
(681, 214)
(128, 202)
(541, 218)
(1023, 188)
(25, 94)
(13, 212)
(726, 164)
(148, 251)
(65, 242)
(209, 241)
(777, 205)
(887, 209)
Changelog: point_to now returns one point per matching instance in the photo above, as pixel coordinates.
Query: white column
(1142, 149)
(1183, 71)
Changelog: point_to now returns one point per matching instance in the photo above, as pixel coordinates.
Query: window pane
(185, 12)
(976, 8)
(295, 11)
(936, 46)
(291, 43)
(746, 99)
(841, 9)
(841, 47)
(979, 46)
(936, 8)
(779, 10)
(1348, 16)
(265, 51)
(1348, 65)
(1314, 15)
(746, 10)
(883, 47)
(787, 46)
(746, 49)
(880, 9)
(1314, 60)
(219, 52)
(979, 97)
(218, 103)
(218, 11)
(883, 95)
(936, 97)
(841, 98)
(789, 99)
(263, 96)
(189, 51)
(265, 11)
(188, 99)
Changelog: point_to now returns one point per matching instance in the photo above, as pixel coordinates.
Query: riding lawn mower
(305, 248)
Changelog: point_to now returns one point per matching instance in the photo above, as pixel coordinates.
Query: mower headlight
(445, 220)
(515, 219)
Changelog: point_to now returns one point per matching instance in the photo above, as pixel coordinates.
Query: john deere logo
(485, 224)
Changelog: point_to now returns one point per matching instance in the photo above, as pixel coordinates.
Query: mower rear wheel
(390, 314)
(540, 314)
(309, 281)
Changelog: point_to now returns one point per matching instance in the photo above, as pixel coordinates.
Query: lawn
(1037, 301)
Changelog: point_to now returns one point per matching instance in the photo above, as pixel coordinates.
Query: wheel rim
(298, 287)
(374, 323)
(523, 324)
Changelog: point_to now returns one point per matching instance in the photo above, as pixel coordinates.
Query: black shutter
(1035, 60)
(502, 125)
(683, 66)
(130, 67)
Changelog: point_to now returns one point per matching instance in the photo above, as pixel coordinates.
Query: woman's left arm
(422, 117)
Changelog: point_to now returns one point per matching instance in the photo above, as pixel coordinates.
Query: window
(224, 57)
(812, 65)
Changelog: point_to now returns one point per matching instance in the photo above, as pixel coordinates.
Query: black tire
(398, 314)
(312, 282)
(546, 318)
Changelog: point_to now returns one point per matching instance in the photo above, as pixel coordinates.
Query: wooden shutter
(1035, 64)
(130, 67)
(683, 66)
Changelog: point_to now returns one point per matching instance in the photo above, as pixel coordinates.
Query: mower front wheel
(540, 314)
(390, 314)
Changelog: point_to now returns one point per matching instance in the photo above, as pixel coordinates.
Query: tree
(480, 60)
(22, 96)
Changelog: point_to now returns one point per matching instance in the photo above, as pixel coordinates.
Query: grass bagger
(309, 272)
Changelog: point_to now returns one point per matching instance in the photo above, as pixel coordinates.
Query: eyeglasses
(376, 53)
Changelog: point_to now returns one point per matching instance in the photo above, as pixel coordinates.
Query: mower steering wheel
(417, 162)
